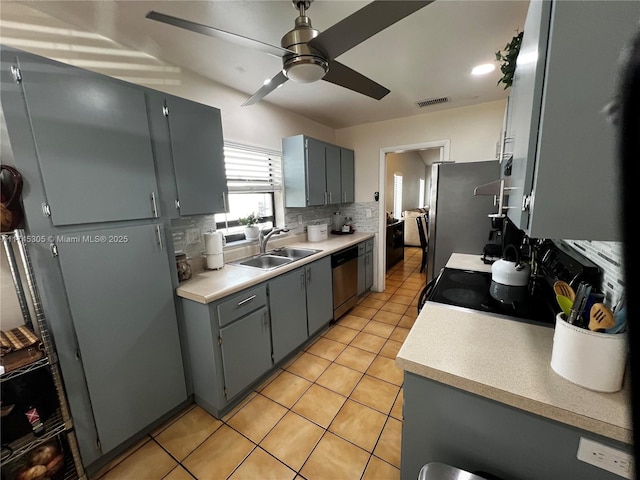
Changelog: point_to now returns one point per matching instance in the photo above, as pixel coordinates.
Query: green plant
(508, 58)
(250, 220)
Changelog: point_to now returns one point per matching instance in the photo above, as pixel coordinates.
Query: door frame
(445, 147)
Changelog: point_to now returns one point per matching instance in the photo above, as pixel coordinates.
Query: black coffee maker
(503, 232)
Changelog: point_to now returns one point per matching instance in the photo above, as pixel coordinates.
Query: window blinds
(251, 169)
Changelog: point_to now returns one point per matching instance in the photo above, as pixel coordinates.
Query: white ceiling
(426, 55)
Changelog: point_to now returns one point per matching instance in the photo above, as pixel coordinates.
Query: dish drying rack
(59, 425)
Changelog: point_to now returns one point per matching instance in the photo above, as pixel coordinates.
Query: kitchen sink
(275, 258)
(264, 262)
(293, 253)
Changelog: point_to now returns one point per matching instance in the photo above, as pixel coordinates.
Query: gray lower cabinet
(288, 307)
(448, 425)
(368, 264)
(228, 346)
(365, 266)
(301, 303)
(233, 342)
(246, 351)
(92, 140)
(319, 294)
(361, 268)
(120, 295)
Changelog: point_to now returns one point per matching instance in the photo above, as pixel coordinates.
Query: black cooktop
(470, 289)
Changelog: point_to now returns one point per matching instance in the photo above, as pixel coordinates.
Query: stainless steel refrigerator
(458, 220)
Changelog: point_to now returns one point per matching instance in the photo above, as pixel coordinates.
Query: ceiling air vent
(432, 101)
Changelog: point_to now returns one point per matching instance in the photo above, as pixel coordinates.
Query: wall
(472, 131)
(412, 168)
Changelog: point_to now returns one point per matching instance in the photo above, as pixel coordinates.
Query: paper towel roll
(213, 243)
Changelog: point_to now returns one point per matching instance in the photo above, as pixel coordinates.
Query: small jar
(183, 267)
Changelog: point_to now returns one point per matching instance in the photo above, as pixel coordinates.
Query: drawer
(368, 245)
(240, 304)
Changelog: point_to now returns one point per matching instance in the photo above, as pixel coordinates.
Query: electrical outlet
(605, 457)
(192, 236)
(367, 213)
(299, 219)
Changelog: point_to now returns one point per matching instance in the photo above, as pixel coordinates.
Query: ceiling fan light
(306, 69)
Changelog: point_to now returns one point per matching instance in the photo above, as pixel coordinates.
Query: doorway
(386, 192)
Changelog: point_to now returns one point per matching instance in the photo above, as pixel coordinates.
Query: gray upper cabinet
(333, 173)
(121, 299)
(288, 307)
(197, 149)
(565, 180)
(92, 140)
(347, 176)
(314, 173)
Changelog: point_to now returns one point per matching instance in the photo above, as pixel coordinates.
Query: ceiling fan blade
(217, 33)
(364, 23)
(275, 82)
(344, 76)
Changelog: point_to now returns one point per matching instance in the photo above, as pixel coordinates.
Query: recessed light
(483, 69)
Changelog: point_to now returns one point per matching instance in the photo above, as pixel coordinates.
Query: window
(254, 178)
(397, 195)
(421, 193)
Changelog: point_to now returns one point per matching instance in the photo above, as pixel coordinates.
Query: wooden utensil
(600, 317)
(563, 288)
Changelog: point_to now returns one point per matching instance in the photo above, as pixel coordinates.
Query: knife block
(592, 360)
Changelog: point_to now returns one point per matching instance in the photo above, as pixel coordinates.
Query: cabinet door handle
(246, 300)
(154, 206)
(302, 282)
(159, 235)
(308, 276)
(329, 197)
(344, 197)
(325, 198)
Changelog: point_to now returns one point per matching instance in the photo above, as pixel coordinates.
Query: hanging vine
(508, 57)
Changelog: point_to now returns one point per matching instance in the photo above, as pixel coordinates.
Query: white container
(592, 360)
(317, 233)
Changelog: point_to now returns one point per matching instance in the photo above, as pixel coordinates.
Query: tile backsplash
(607, 256)
(296, 219)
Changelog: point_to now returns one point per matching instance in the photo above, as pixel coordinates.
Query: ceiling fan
(309, 55)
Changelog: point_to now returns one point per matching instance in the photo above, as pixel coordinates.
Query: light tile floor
(333, 412)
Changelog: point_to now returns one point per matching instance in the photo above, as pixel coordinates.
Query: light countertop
(210, 285)
(509, 362)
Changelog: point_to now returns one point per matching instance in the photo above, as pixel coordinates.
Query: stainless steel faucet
(263, 239)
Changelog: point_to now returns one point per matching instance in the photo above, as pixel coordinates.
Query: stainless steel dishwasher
(344, 265)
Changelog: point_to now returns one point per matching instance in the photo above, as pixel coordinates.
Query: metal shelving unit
(59, 425)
